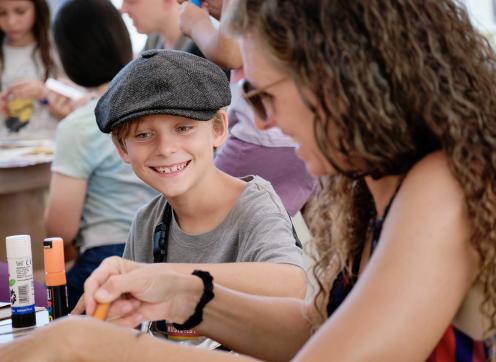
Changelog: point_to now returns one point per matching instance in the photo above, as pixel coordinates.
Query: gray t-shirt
(257, 229)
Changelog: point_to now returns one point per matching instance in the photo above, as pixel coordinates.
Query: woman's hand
(30, 89)
(141, 292)
(71, 339)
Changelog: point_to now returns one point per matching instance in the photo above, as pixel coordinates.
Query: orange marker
(101, 311)
(53, 250)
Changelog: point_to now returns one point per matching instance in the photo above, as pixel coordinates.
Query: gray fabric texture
(163, 82)
(257, 229)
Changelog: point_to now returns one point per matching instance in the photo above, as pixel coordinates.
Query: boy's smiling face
(172, 154)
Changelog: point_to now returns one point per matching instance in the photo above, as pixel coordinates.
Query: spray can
(21, 283)
(53, 252)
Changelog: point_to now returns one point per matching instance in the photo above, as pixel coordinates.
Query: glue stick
(53, 252)
(21, 281)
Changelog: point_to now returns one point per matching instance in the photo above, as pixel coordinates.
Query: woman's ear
(121, 149)
(220, 128)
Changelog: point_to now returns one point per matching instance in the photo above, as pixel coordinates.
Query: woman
(391, 102)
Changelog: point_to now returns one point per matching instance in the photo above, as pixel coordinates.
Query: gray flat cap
(163, 82)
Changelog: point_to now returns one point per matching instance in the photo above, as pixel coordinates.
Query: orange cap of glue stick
(53, 252)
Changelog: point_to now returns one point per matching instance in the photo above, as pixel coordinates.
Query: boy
(164, 113)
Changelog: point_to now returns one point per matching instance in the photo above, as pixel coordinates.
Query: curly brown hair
(41, 32)
(410, 77)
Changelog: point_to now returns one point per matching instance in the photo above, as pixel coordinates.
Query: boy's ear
(220, 128)
(120, 150)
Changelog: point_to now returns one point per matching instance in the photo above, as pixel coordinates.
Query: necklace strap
(377, 222)
(160, 253)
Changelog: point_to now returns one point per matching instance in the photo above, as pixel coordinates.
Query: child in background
(248, 150)
(93, 194)
(26, 60)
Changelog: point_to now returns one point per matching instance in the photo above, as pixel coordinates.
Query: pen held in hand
(101, 311)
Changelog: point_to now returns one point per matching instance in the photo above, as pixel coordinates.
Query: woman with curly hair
(392, 104)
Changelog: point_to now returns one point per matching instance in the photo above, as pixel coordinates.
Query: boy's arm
(214, 44)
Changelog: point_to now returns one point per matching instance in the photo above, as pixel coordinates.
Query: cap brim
(198, 115)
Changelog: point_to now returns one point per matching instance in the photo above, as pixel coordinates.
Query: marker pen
(101, 311)
(53, 252)
(21, 281)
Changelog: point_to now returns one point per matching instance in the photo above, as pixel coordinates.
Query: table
(23, 198)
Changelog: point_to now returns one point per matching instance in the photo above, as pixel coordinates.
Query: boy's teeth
(172, 169)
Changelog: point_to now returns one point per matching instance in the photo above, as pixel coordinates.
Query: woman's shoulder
(430, 205)
(432, 175)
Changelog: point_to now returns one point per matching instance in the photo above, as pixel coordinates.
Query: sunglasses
(255, 97)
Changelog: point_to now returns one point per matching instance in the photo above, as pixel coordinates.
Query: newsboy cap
(163, 82)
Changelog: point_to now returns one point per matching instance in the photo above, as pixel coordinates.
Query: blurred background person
(159, 19)
(27, 60)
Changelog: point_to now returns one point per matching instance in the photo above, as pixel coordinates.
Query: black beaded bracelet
(208, 294)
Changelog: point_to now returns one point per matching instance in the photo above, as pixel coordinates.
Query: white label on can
(21, 285)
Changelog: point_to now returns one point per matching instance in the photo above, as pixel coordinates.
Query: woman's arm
(415, 281)
(65, 206)
(89, 340)
(270, 328)
(279, 280)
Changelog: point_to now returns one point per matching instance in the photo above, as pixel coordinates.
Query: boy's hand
(190, 15)
(29, 89)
